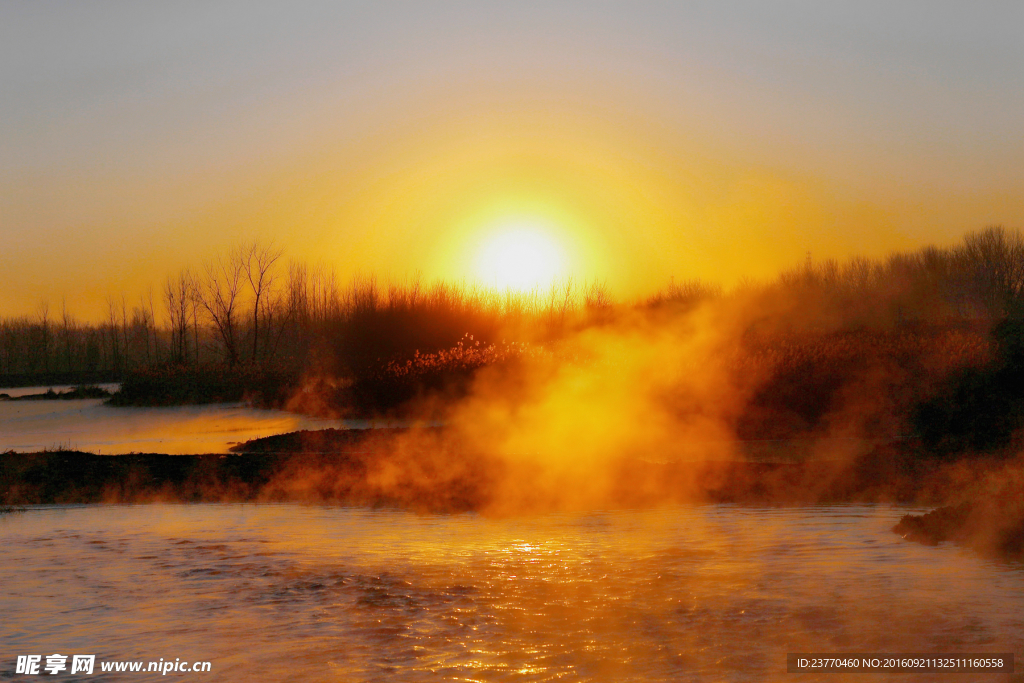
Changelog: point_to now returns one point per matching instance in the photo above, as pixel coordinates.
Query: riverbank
(993, 528)
(426, 468)
(57, 394)
(979, 501)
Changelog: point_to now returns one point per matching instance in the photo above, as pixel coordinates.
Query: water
(90, 425)
(287, 592)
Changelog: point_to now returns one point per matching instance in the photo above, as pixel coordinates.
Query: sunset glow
(720, 143)
(520, 256)
(587, 341)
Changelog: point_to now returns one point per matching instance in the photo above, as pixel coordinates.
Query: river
(307, 593)
(95, 427)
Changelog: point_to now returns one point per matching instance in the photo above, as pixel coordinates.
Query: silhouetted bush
(178, 385)
(978, 409)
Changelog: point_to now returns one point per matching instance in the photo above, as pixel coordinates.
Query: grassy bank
(422, 470)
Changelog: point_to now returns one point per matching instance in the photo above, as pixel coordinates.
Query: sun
(519, 256)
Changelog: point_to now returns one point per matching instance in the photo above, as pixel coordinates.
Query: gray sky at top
(87, 83)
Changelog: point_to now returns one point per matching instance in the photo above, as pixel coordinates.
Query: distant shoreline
(87, 391)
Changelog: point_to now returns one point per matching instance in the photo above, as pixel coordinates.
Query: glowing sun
(519, 257)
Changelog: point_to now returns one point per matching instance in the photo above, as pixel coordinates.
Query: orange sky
(715, 140)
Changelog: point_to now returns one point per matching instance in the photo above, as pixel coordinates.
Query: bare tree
(993, 260)
(258, 260)
(67, 330)
(148, 302)
(195, 305)
(180, 302)
(141, 323)
(220, 297)
(298, 293)
(44, 334)
(126, 342)
(596, 297)
(568, 287)
(115, 354)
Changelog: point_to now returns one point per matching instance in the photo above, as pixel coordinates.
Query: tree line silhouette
(248, 324)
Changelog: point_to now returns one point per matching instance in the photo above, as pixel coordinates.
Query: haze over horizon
(714, 140)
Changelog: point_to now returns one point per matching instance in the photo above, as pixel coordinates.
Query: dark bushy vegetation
(68, 477)
(978, 408)
(882, 374)
(178, 385)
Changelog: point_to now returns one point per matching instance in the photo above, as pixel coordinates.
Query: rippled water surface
(287, 592)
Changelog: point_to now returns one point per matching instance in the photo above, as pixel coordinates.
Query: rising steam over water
(286, 592)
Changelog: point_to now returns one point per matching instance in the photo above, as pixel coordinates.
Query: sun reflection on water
(293, 591)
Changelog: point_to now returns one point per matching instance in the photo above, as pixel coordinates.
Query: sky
(648, 140)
